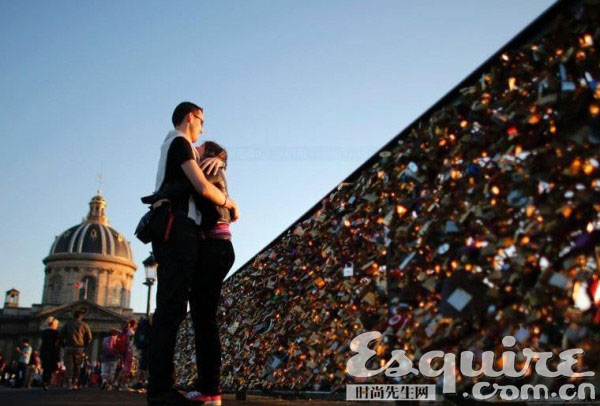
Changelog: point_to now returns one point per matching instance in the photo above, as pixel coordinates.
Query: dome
(92, 236)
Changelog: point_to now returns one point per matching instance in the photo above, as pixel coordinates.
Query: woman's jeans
(216, 258)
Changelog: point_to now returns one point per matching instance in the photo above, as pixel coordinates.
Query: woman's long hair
(212, 149)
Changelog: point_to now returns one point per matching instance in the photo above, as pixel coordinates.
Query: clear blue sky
(300, 92)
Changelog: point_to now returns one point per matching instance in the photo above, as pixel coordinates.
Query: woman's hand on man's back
(234, 210)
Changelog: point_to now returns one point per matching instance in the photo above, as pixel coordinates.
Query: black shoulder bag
(154, 224)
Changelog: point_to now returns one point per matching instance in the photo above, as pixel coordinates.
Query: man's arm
(206, 189)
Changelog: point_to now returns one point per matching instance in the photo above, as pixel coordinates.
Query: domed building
(89, 267)
(91, 261)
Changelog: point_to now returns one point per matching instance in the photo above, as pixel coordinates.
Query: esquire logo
(357, 367)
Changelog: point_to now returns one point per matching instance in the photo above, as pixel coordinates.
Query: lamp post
(150, 269)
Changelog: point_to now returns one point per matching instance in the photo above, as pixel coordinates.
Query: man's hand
(211, 165)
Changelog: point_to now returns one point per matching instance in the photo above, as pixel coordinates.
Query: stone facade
(107, 283)
(90, 261)
(89, 267)
(17, 323)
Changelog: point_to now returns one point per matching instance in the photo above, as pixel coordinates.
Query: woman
(50, 351)
(126, 338)
(216, 259)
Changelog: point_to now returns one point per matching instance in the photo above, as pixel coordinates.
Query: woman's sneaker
(196, 397)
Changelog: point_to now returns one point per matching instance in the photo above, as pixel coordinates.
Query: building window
(118, 295)
(87, 289)
(54, 289)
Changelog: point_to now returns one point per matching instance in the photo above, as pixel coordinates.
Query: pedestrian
(12, 373)
(141, 340)
(216, 257)
(3, 370)
(95, 374)
(176, 252)
(25, 355)
(34, 368)
(118, 371)
(76, 336)
(126, 353)
(59, 377)
(84, 372)
(110, 359)
(50, 351)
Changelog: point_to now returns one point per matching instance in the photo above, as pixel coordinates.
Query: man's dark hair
(182, 110)
(78, 313)
(26, 340)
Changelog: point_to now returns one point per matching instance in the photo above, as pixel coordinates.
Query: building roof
(92, 310)
(92, 236)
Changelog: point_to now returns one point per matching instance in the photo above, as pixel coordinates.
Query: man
(177, 253)
(33, 368)
(23, 362)
(76, 335)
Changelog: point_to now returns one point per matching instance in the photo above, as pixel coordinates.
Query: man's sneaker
(196, 397)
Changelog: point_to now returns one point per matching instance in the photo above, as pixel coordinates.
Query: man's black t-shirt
(177, 185)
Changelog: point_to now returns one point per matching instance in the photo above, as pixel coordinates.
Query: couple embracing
(193, 257)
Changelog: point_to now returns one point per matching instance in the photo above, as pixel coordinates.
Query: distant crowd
(61, 361)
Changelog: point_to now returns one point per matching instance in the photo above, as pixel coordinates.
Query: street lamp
(150, 268)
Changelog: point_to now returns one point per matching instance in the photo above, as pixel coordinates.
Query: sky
(299, 92)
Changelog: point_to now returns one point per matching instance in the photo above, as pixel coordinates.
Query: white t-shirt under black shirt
(176, 150)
